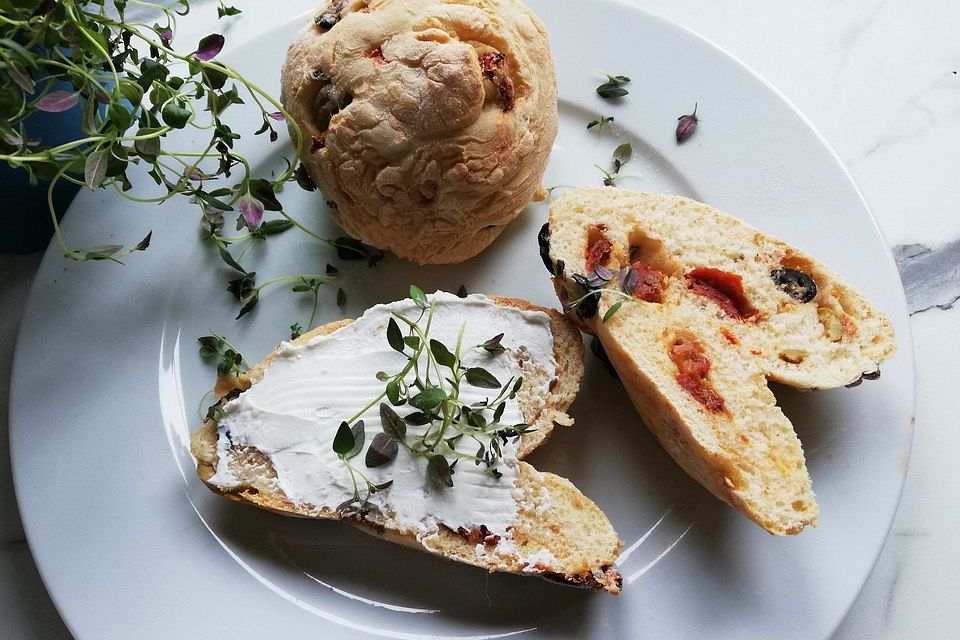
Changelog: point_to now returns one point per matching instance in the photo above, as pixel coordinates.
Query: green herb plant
(428, 387)
(136, 85)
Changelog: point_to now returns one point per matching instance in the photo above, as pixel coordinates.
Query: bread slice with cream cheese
(555, 531)
(697, 311)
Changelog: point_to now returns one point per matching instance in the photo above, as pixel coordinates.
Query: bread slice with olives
(557, 533)
(697, 311)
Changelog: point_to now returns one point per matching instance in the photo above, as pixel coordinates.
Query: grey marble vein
(931, 277)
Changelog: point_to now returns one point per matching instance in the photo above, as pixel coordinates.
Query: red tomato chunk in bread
(649, 284)
(597, 254)
(693, 365)
(726, 289)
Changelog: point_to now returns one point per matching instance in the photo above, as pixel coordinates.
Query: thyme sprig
(600, 122)
(430, 384)
(621, 155)
(594, 285)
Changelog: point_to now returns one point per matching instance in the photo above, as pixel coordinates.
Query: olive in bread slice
(552, 530)
(697, 311)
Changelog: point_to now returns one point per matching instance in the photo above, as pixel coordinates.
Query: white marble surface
(879, 79)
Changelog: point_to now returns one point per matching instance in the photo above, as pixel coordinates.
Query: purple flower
(166, 36)
(212, 218)
(57, 101)
(209, 47)
(251, 211)
(276, 115)
(194, 174)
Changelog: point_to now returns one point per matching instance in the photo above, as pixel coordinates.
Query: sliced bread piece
(554, 531)
(696, 311)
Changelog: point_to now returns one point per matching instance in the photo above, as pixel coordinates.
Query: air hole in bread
(832, 326)
(427, 191)
(799, 505)
(732, 477)
(649, 251)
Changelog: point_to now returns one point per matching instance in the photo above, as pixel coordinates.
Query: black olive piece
(331, 16)
(543, 239)
(561, 267)
(597, 348)
(795, 284)
(589, 306)
(582, 281)
(326, 20)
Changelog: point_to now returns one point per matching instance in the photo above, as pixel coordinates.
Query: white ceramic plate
(107, 380)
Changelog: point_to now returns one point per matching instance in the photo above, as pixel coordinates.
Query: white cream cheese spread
(292, 414)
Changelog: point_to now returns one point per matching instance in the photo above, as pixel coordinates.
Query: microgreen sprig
(621, 155)
(599, 123)
(430, 384)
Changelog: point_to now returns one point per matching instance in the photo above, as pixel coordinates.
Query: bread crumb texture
(732, 309)
(428, 123)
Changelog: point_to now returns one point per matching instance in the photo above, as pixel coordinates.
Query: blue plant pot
(25, 217)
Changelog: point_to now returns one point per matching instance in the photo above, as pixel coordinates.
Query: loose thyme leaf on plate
(687, 125)
(613, 87)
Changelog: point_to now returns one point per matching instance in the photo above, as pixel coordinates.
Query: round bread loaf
(427, 123)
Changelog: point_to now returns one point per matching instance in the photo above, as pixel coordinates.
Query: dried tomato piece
(649, 283)
(693, 365)
(725, 289)
(732, 339)
(491, 65)
(597, 253)
(705, 395)
(377, 56)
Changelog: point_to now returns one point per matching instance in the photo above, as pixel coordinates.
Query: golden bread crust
(428, 123)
